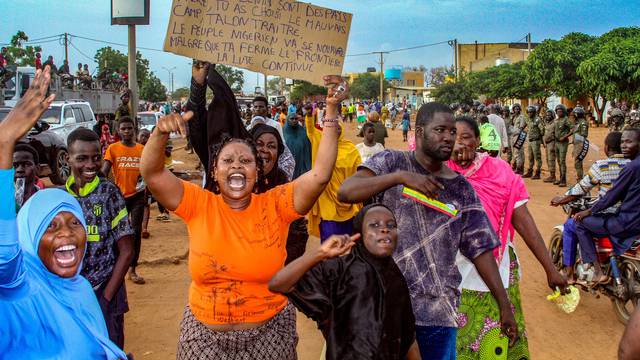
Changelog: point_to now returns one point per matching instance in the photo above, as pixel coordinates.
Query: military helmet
(481, 108)
(454, 106)
(476, 103)
(516, 106)
(531, 108)
(560, 106)
(578, 110)
(616, 112)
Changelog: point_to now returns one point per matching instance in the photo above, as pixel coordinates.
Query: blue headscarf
(44, 315)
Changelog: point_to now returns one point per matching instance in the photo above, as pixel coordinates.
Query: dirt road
(591, 332)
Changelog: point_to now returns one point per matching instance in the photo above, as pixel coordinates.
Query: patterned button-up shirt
(430, 234)
(602, 174)
(107, 220)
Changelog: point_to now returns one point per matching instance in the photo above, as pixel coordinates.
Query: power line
(81, 53)
(402, 49)
(113, 43)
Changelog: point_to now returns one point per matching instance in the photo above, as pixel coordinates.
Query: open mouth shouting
(67, 256)
(237, 181)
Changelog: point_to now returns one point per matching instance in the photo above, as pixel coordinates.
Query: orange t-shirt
(125, 164)
(234, 254)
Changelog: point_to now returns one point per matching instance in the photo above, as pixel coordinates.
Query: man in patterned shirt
(438, 215)
(601, 175)
(109, 234)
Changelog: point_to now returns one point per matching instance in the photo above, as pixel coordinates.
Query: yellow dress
(327, 207)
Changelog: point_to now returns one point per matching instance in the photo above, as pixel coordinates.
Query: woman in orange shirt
(237, 241)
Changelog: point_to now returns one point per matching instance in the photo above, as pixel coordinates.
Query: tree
(180, 93)
(233, 77)
(459, 91)
(614, 72)
(305, 89)
(152, 89)
(276, 85)
(367, 86)
(110, 60)
(504, 82)
(437, 75)
(20, 55)
(552, 66)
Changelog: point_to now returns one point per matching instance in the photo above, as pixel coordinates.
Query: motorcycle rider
(623, 226)
(601, 175)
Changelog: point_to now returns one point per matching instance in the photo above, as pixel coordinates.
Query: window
(68, 115)
(78, 114)
(51, 116)
(87, 113)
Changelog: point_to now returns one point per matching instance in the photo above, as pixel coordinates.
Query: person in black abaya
(360, 301)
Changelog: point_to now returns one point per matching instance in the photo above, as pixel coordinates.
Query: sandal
(136, 279)
(145, 234)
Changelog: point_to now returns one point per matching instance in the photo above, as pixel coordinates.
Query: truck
(103, 102)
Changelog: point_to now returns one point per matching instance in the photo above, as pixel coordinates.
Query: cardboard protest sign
(276, 37)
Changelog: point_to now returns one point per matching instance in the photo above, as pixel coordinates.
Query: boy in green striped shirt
(109, 233)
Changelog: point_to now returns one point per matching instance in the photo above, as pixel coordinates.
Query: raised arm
(311, 184)
(17, 123)
(197, 104)
(164, 186)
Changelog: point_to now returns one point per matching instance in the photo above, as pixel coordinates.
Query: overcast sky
(377, 25)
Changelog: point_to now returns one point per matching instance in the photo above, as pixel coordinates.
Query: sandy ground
(591, 332)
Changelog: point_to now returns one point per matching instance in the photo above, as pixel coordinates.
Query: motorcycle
(623, 287)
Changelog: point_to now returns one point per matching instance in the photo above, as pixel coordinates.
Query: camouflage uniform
(633, 120)
(515, 125)
(549, 140)
(535, 129)
(581, 128)
(562, 128)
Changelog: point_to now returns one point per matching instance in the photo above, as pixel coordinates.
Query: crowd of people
(417, 258)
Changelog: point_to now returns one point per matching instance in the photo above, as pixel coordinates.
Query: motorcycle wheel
(630, 273)
(555, 249)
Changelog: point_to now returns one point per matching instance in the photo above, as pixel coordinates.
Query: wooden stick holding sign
(275, 37)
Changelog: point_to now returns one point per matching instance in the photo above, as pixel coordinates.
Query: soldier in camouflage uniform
(581, 128)
(615, 121)
(515, 124)
(562, 132)
(634, 120)
(535, 129)
(124, 109)
(549, 142)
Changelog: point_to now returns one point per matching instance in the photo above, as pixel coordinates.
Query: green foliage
(276, 85)
(20, 55)
(504, 82)
(234, 77)
(180, 93)
(367, 86)
(460, 91)
(110, 60)
(152, 89)
(436, 76)
(304, 89)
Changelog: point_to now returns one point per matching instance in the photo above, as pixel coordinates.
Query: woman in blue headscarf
(48, 310)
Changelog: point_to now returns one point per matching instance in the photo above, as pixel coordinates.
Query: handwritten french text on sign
(275, 37)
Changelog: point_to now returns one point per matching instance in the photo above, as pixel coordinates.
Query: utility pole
(66, 47)
(265, 86)
(381, 72)
(170, 73)
(133, 81)
(528, 44)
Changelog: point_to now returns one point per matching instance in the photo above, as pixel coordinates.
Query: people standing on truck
(38, 61)
(125, 107)
(123, 158)
(52, 67)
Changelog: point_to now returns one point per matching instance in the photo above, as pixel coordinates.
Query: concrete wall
(476, 57)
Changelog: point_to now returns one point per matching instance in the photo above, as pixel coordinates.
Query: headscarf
(39, 299)
(298, 143)
(328, 207)
(276, 176)
(498, 189)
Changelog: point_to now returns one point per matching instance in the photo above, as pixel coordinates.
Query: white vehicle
(65, 116)
(148, 119)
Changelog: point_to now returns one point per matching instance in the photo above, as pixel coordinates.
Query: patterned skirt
(275, 340)
(479, 323)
